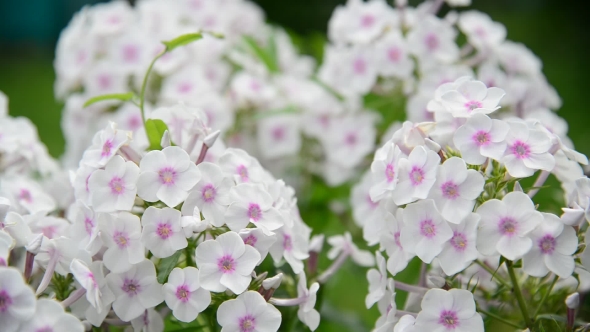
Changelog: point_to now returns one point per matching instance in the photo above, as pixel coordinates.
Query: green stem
(545, 296)
(519, 297)
(493, 273)
(144, 84)
(498, 318)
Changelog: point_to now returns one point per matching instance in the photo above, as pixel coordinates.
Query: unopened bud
(35, 244)
(573, 301)
(272, 283)
(401, 3)
(438, 282)
(211, 138)
(518, 187)
(432, 145)
(316, 243)
(165, 141)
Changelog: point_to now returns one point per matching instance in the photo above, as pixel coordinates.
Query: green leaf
(182, 40)
(167, 265)
(112, 96)
(155, 129)
(265, 56)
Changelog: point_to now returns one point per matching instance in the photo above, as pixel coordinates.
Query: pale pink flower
(460, 250)
(251, 203)
(452, 310)
(17, 299)
(480, 138)
(121, 234)
(162, 232)
(167, 176)
(114, 188)
(105, 145)
(50, 316)
(184, 295)
(226, 262)
(248, 312)
(416, 174)
(527, 150)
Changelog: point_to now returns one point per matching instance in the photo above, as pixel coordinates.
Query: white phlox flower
(114, 188)
(248, 312)
(449, 310)
(184, 295)
(226, 262)
(162, 232)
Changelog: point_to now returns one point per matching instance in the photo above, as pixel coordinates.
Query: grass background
(557, 31)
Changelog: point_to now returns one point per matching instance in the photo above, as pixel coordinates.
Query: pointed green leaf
(112, 96)
(167, 265)
(262, 54)
(182, 40)
(155, 129)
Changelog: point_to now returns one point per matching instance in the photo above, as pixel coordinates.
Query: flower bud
(35, 244)
(272, 283)
(211, 138)
(165, 141)
(518, 187)
(573, 301)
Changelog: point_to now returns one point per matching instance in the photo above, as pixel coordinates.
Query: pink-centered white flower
(184, 295)
(114, 188)
(17, 299)
(256, 238)
(251, 203)
(344, 244)
(385, 171)
(425, 230)
(121, 234)
(416, 175)
(226, 262)
(105, 145)
(527, 150)
(452, 310)
(85, 228)
(390, 241)
(98, 294)
(292, 245)
(51, 316)
(480, 138)
(460, 250)
(240, 166)
(472, 97)
(249, 312)
(135, 290)
(554, 245)
(505, 225)
(210, 194)
(167, 176)
(162, 232)
(306, 313)
(456, 189)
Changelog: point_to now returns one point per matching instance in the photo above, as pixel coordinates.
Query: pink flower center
(254, 212)
(389, 172)
(25, 195)
(167, 175)
(106, 148)
(278, 133)
(367, 21)
(134, 122)
(121, 239)
(226, 264)
(88, 225)
(45, 329)
(104, 81)
(394, 54)
(458, 241)
(164, 231)
(287, 242)
(250, 240)
(130, 53)
(472, 104)
(243, 172)
(49, 231)
(5, 301)
(450, 190)
(481, 138)
(208, 193)
(547, 244)
(431, 42)
(350, 139)
(359, 66)
(448, 319)
(508, 226)
(427, 228)
(521, 150)
(117, 185)
(416, 175)
(182, 293)
(131, 287)
(185, 87)
(247, 323)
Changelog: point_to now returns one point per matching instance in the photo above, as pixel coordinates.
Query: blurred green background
(556, 30)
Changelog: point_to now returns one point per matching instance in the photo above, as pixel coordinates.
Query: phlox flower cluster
(155, 235)
(457, 205)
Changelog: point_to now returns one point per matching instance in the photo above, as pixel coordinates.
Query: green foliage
(182, 40)
(166, 266)
(112, 96)
(268, 55)
(155, 129)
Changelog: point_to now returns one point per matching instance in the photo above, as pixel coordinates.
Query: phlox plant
(184, 234)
